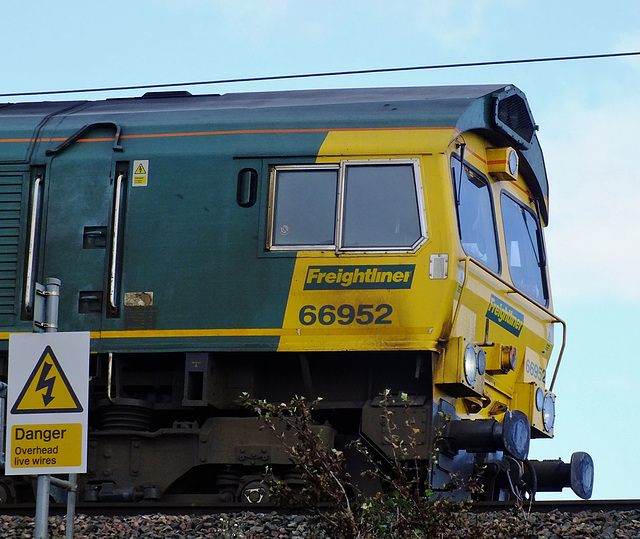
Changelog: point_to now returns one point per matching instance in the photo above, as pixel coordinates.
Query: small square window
(304, 206)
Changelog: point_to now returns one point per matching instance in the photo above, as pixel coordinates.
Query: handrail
(110, 377)
(73, 138)
(512, 290)
(31, 252)
(115, 242)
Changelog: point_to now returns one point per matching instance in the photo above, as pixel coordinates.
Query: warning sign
(47, 390)
(47, 403)
(46, 445)
(140, 173)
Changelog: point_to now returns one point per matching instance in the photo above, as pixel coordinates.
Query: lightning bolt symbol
(46, 383)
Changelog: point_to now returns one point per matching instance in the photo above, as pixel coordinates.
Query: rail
(185, 504)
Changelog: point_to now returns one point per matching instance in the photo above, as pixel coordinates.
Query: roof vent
(513, 116)
(159, 95)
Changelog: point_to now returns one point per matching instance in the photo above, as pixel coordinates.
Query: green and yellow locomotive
(333, 243)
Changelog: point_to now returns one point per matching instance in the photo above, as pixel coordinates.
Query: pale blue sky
(588, 112)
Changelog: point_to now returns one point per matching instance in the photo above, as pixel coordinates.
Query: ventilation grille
(10, 202)
(513, 114)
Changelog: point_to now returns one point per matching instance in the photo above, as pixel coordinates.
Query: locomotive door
(82, 194)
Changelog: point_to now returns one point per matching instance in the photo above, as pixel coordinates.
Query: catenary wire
(326, 74)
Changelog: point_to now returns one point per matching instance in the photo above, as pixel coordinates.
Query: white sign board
(47, 403)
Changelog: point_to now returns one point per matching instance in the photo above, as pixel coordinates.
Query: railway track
(201, 506)
(565, 506)
(200, 520)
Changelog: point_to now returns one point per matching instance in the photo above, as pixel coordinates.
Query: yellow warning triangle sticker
(140, 170)
(47, 390)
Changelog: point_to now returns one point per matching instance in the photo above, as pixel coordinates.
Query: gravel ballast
(502, 524)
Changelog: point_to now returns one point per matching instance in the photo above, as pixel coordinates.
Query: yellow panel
(376, 301)
(387, 142)
(363, 303)
(41, 446)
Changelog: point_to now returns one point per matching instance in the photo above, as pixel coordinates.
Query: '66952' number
(346, 314)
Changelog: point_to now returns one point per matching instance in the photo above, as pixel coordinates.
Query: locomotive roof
(500, 112)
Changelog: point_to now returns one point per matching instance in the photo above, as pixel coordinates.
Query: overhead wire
(325, 74)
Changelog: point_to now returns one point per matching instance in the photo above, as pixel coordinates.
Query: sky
(587, 111)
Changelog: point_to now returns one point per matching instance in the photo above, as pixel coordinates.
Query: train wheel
(254, 491)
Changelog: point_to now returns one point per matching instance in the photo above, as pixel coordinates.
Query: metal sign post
(47, 405)
(51, 299)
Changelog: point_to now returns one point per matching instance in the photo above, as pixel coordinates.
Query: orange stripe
(39, 140)
(525, 191)
(235, 132)
(469, 150)
(282, 131)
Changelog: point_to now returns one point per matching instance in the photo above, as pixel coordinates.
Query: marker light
(470, 364)
(508, 359)
(539, 399)
(482, 361)
(549, 412)
(513, 358)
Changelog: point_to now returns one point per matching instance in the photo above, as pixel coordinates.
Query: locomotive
(338, 244)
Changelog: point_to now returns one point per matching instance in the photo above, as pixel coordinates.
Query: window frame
(338, 241)
(494, 215)
(542, 252)
(271, 217)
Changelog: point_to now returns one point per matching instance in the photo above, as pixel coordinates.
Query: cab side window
(476, 222)
(525, 251)
(380, 206)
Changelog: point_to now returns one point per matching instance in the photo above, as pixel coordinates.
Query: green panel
(79, 192)
(193, 247)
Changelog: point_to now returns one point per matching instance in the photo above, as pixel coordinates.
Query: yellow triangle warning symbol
(140, 170)
(47, 390)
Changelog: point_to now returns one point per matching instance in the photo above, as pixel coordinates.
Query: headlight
(470, 364)
(548, 412)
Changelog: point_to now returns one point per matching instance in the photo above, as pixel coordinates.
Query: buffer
(47, 389)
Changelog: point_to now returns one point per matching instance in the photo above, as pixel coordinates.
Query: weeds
(405, 508)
